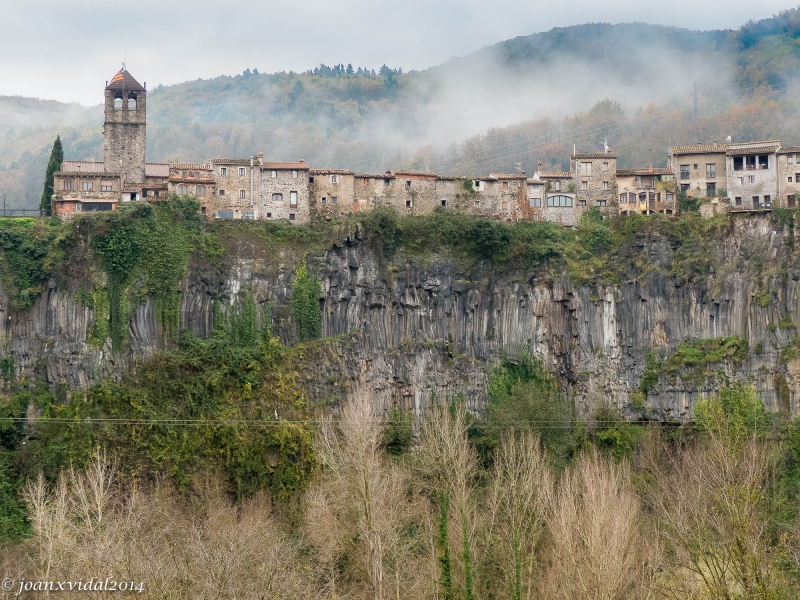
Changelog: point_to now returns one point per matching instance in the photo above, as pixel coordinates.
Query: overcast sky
(67, 49)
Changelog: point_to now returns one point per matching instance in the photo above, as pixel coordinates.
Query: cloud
(66, 50)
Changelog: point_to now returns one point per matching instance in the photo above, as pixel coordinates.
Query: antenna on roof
(605, 145)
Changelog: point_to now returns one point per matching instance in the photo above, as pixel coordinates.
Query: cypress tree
(445, 567)
(53, 165)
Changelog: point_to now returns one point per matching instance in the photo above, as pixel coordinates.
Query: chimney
(523, 173)
(539, 166)
(300, 160)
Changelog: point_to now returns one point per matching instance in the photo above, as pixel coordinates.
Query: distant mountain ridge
(333, 117)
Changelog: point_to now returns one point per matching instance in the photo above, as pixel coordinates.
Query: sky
(67, 50)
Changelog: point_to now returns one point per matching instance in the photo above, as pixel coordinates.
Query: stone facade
(788, 177)
(700, 170)
(283, 191)
(595, 181)
(124, 129)
(237, 183)
(647, 191)
(752, 174)
(196, 181)
(331, 193)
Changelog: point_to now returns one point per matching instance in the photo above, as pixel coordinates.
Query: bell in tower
(124, 134)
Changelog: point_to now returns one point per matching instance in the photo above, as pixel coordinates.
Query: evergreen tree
(56, 160)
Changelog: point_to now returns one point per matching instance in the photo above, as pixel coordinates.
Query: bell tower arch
(124, 135)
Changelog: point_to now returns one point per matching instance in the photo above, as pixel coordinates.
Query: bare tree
(596, 551)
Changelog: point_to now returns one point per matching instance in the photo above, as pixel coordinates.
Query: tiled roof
(330, 172)
(190, 166)
(87, 166)
(555, 174)
(372, 176)
(295, 166)
(451, 178)
(425, 174)
(233, 161)
(508, 176)
(85, 174)
(179, 179)
(752, 150)
(132, 188)
(653, 171)
(593, 155)
(788, 149)
(156, 169)
(124, 80)
(698, 149)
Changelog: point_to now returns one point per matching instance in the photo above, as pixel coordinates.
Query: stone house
(595, 180)
(700, 169)
(646, 191)
(752, 170)
(195, 180)
(331, 193)
(788, 177)
(84, 186)
(283, 191)
(560, 202)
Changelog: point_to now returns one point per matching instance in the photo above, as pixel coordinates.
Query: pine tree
(54, 164)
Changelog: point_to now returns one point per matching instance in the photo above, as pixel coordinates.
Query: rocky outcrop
(411, 330)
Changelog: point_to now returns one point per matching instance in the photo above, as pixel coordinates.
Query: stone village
(728, 177)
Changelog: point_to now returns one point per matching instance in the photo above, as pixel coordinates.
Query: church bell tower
(124, 127)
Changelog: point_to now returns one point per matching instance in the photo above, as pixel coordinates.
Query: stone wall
(125, 136)
(286, 181)
(788, 178)
(765, 183)
(331, 193)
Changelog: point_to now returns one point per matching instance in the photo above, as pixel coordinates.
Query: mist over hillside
(520, 101)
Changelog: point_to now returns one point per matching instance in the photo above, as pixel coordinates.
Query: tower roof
(124, 80)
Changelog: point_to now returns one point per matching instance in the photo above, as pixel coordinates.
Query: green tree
(306, 304)
(54, 164)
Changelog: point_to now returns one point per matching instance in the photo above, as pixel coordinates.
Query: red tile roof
(789, 150)
(124, 80)
(86, 166)
(508, 176)
(593, 155)
(555, 174)
(190, 166)
(766, 149)
(330, 172)
(156, 169)
(295, 166)
(414, 174)
(653, 171)
(698, 149)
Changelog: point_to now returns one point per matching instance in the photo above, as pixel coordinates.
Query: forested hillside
(522, 100)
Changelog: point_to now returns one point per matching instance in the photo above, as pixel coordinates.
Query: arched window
(559, 200)
(118, 101)
(132, 102)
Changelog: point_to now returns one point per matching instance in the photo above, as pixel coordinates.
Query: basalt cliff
(409, 328)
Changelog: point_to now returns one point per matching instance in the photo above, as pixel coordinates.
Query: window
(738, 200)
(334, 200)
(366, 181)
(78, 206)
(223, 171)
(96, 206)
(242, 171)
(387, 182)
(62, 205)
(224, 214)
(197, 174)
(183, 190)
(291, 216)
(324, 200)
(536, 216)
(684, 171)
(605, 185)
(222, 192)
(536, 202)
(752, 178)
(581, 202)
(242, 194)
(504, 206)
(623, 198)
(652, 196)
(505, 186)
(311, 179)
(586, 169)
(131, 102)
(269, 215)
(584, 186)
(334, 179)
(293, 199)
(559, 200)
(604, 167)
(200, 190)
(87, 186)
(273, 174)
(557, 186)
(183, 174)
(797, 177)
(684, 187)
(670, 197)
(277, 197)
(741, 180)
(600, 203)
(248, 215)
(118, 102)
(68, 185)
(756, 202)
(408, 184)
(643, 197)
(767, 200)
(711, 170)
(444, 202)
(711, 189)
(790, 179)
(408, 203)
(294, 174)
(695, 167)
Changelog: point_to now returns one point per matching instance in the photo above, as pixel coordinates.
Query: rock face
(411, 330)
